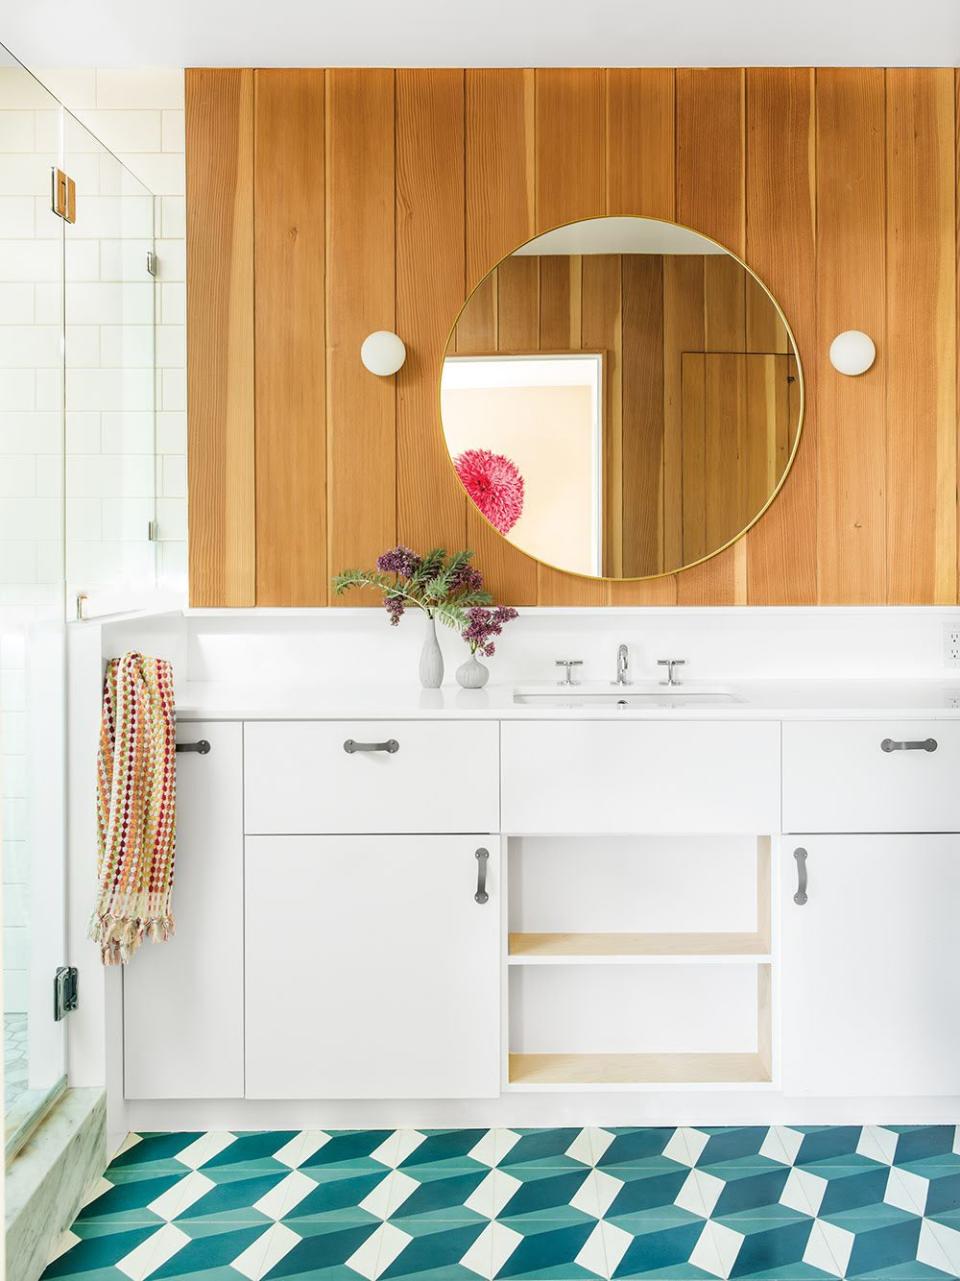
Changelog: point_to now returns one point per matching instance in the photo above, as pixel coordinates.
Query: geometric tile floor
(780, 1202)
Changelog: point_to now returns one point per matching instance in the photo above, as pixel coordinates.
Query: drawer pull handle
(481, 895)
(801, 895)
(911, 745)
(351, 746)
(201, 747)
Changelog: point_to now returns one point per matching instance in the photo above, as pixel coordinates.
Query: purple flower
(394, 605)
(401, 561)
(484, 624)
(466, 579)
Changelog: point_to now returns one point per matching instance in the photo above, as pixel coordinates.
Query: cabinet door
(371, 970)
(871, 982)
(183, 999)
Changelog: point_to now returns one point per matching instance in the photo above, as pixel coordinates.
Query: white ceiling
(80, 33)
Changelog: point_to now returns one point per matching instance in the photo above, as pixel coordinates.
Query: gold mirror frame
(666, 573)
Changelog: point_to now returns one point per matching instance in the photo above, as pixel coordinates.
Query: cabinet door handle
(201, 747)
(351, 746)
(481, 896)
(801, 895)
(911, 745)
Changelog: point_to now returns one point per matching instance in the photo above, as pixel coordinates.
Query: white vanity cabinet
(183, 999)
(373, 967)
(870, 976)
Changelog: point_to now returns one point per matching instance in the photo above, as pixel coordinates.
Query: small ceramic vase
(472, 674)
(431, 657)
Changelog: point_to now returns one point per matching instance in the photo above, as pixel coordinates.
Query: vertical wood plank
(477, 327)
(642, 413)
(641, 179)
(601, 330)
(220, 371)
(710, 197)
(361, 408)
(921, 338)
(851, 289)
(683, 331)
(290, 339)
(781, 222)
(500, 112)
(431, 505)
(570, 184)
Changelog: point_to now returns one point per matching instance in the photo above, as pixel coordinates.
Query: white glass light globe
(852, 352)
(383, 353)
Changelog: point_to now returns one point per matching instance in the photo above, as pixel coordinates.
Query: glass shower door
(32, 630)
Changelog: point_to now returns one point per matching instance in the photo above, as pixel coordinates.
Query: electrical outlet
(951, 644)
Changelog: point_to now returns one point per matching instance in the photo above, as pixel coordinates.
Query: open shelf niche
(719, 885)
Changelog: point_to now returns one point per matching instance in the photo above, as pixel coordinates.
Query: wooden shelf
(545, 949)
(630, 1069)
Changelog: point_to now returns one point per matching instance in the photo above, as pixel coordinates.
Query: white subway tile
(24, 175)
(172, 519)
(171, 346)
(16, 898)
(113, 216)
(17, 389)
(26, 518)
(82, 350)
(173, 138)
(16, 217)
(83, 431)
(174, 476)
(113, 390)
(50, 475)
(48, 304)
(16, 940)
(16, 866)
(173, 566)
(125, 259)
(13, 651)
(19, 90)
(128, 433)
(17, 131)
(94, 564)
(13, 730)
(110, 304)
(19, 560)
(81, 261)
(49, 388)
(173, 217)
(161, 172)
(75, 87)
(127, 519)
(126, 130)
(171, 433)
(127, 346)
(84, 519)
(171, 260)
(173, 393)
(30, 432)
(13, 782)
(140, 87)
(50, 562)
(110, 476)
(29, 347)
(18, 476)
(16, 304)
(30, 260)
(173, 304)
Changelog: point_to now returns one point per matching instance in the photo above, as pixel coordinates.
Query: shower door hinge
(151, 263)
(63, 196)
(151, 531)
(66, 995)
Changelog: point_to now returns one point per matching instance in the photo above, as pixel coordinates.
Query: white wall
(138, 114)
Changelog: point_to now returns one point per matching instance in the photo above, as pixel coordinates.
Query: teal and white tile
(783, 1203)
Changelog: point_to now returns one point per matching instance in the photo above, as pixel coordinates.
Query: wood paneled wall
(324, 204)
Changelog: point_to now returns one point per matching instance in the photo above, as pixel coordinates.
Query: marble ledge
(928, 698)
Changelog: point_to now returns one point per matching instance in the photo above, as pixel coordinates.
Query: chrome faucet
(623, 666)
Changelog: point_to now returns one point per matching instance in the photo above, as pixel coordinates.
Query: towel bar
(202, 747)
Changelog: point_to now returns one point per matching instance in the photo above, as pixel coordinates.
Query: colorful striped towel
(136, 811)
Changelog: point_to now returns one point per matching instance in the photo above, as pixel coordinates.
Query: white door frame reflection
(535, 395)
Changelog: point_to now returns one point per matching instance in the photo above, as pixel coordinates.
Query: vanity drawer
(838, 778)
(650, 776)
(442, 777)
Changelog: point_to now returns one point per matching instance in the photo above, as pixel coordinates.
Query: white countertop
(934, 698)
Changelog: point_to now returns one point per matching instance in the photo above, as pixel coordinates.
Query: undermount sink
(639, 694)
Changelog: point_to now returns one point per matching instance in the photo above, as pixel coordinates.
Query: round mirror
(621, 397)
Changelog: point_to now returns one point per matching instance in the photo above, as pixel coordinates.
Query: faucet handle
(670, 664)
(568, 663)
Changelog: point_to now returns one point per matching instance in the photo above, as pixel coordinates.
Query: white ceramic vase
(472, 674)
(431, 656)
